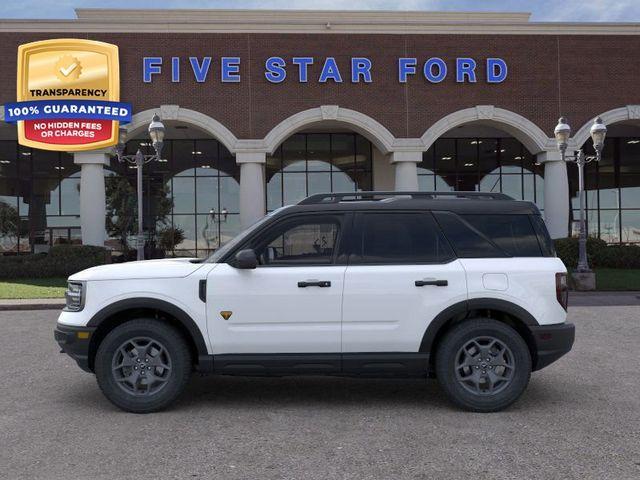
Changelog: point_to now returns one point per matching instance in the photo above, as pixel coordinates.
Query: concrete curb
(32, 304)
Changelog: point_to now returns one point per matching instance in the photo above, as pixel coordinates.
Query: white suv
(462, 286)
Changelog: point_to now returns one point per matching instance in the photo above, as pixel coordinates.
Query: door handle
(314, 283)
(437, 283)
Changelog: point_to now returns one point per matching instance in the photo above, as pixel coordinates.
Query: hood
(146, 269)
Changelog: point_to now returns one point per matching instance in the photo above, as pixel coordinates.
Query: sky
(542, 10)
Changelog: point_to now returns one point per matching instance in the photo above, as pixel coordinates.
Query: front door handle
(437, 283)
(314, 283)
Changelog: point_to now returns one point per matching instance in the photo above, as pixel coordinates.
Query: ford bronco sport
(462, 286)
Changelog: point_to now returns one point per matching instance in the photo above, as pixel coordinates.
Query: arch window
(308, 163)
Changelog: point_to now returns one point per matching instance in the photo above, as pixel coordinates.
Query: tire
(143, 365)
(472, 382)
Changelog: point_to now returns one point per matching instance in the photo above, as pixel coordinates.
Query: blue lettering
(330, 71)
(360, 67)
(465, 67)
(406, 66)
(151, 66)
(175, 69)
(496, 70)
(275, 69)
(303, 64)
(200, 71)
(230, 69)
(428, 70)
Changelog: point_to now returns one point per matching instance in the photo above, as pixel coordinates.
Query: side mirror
(246, 259)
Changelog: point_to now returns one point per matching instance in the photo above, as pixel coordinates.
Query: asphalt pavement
(579, 418)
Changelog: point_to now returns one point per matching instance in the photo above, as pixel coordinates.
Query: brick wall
(578, 76)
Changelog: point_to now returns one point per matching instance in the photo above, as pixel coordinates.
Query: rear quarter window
(515, 234)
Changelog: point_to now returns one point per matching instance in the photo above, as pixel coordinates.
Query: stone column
(92, 195)
(406, 167)
(556, 194)
(252, 186)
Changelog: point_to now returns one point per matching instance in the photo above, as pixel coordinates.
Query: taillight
(562, 289)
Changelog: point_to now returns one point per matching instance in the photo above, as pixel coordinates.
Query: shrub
(599, 254)
(61, 261)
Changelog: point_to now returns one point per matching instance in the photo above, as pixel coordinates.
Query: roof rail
(360, 196)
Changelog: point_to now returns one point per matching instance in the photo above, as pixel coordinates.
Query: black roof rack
(376, 196)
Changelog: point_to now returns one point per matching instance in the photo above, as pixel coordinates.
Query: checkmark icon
(66, 71)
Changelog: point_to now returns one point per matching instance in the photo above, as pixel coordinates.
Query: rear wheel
(143, 365)
(483, 365)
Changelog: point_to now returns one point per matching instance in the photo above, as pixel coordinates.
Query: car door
(290, 303)
(401, 274)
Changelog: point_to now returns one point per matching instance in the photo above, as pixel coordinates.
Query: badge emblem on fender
(226, 314)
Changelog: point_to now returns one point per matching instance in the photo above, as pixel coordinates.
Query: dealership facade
(263, 108)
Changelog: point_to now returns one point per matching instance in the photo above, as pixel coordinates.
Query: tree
(122, 208)
(9, 222)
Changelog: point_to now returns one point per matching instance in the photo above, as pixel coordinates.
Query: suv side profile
(463, 286)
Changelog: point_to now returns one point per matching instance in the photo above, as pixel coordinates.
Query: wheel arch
(504, 311)
(121, 311)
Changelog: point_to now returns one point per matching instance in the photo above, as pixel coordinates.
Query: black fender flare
(461, 309)
(156, 304)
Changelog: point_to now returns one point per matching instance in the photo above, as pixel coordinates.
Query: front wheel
(483, 365)
(143, 365)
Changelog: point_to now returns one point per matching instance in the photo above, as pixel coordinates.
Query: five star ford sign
(68, 95)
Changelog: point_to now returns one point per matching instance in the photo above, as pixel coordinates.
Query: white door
(290, 303)
(403, 275)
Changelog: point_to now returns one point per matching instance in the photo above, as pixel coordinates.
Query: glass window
(513, 233)
(302, 242)
(630, 226)
(393, 238)
(318, 152)
(466, 240)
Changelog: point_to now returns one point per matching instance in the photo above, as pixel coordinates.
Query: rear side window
(546, 244)
(400, 238)
(512, 233)
(467, 241)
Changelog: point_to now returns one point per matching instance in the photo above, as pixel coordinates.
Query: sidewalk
(576, 299)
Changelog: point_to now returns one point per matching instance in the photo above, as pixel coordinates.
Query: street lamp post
(156, 133)
(562, 133)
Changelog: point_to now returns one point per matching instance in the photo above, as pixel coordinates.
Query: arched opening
(485, 158)
(190, 197)
(612, 186)
(316, 160)
(39, 197)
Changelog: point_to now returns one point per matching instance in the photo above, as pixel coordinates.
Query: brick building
(265, 107)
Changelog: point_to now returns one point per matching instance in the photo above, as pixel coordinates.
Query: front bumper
(75, 341)
(552, 342)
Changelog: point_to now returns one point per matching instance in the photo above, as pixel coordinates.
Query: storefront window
(481, 164)
(612, 191)
(308, 163)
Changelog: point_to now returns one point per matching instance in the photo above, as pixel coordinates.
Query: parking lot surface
(579, 418)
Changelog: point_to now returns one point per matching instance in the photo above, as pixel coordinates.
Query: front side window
(401, 238)
(301, 242)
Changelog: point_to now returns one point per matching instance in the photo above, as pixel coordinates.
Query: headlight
(74, 296)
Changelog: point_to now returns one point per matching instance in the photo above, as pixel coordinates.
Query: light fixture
(517, 158)
(502, 150)
(632, 142)
(469, 164)
(156, 133)
(58, 168)
(205, 166)
(562, 133)
(446, 158)
(475, 142)
(224, 212)
(4, 162)
(598, 133)
(196, 152)
(26, 154)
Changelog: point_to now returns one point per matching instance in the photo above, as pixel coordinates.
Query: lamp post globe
(156, 133)
(598, 133)
(562, 133)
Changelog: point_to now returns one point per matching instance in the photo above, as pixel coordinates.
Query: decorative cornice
(310, 21)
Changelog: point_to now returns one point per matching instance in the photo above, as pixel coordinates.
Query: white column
(252, 187)
(93, 208)
(556, 194)
(406, 166)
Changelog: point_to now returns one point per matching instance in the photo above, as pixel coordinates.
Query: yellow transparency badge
(68, 94)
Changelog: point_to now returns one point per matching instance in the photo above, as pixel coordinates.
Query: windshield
(238, 239)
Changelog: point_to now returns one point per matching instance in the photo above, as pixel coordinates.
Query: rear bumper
(74, 341)
(552, 342)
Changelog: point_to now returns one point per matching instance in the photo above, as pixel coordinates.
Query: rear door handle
(437, 283)
(314, 283)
